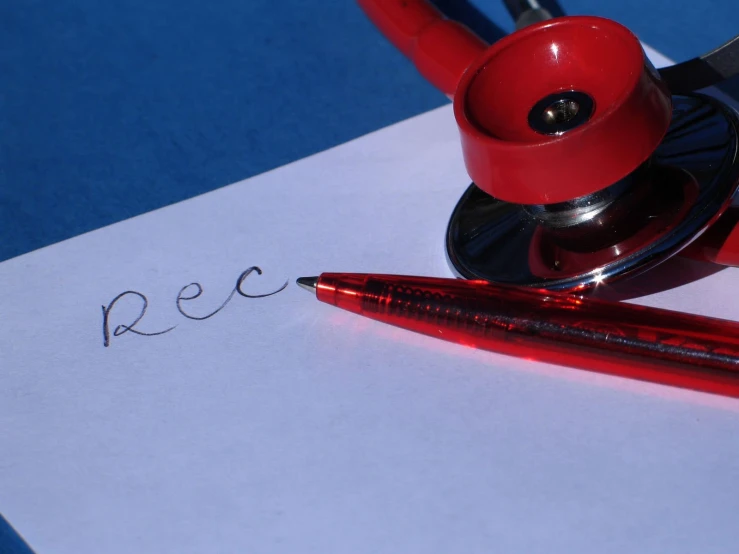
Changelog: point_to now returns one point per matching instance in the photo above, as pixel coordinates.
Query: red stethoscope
(588, 164)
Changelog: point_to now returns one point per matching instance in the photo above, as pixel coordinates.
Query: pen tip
(308, 283)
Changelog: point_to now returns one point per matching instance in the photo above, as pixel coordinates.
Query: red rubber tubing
(440, 49)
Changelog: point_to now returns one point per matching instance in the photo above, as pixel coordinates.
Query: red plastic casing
(626, 340)
(441, 49)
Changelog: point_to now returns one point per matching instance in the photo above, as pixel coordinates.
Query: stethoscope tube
(441, 49)
(707, 70)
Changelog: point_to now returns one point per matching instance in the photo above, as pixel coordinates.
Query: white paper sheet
(282, 425)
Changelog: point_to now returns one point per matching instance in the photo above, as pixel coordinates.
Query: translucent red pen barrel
(621, 339)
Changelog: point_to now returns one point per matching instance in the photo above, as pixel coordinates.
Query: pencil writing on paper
(187, 293)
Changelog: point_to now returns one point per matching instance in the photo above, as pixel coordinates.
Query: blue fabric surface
(109, 110)
(10, 540)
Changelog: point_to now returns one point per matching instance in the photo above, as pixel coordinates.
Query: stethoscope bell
(585, 168)
(605, 176)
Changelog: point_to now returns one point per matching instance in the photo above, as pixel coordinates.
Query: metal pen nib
(308, 283)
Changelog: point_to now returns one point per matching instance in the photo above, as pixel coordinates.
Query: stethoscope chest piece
(624, 229)
(586, 169)
(587, 165)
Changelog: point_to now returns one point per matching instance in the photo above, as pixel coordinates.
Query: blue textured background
(109, 110)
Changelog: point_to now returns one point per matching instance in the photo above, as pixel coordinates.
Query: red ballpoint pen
(626, 340)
